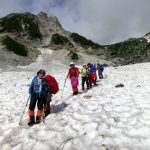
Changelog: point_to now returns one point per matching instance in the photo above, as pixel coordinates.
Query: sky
(103, 21)
(102, 118)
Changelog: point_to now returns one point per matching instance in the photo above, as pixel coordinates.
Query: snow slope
(103, 118)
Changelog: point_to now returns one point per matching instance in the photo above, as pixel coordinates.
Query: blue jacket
(34, 87)
(92, 69)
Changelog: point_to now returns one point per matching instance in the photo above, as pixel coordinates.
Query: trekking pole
(63, 88)
(24, 110)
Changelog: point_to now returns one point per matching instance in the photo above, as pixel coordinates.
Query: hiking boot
(31, 122)
(83, 89)
(38, 120)
(75, 93)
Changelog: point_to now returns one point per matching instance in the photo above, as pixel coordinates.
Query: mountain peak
(42, 15)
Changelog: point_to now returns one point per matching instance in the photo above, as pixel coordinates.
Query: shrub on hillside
(84, 42)
(127, 49)
(15, 22)
(60, 40)
(73, 55)
(14, 46)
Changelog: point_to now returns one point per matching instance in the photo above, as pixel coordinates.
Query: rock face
(48, 25)
(34, 31)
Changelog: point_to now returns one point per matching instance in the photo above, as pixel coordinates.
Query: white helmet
(71, 63)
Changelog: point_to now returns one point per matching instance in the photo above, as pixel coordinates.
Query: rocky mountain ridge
(23, 33)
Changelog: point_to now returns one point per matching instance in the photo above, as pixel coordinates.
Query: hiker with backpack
(73, 74)
(52, 88)
(84, 74)
(100, 69)
(92, 74)
(38, 94)
(89, 75)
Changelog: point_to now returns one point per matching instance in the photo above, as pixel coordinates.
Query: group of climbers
(88, 75)
(43, 86)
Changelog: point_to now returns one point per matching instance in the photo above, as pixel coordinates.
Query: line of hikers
(88, 75)
(43, 86)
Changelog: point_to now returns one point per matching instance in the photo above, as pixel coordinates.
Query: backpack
(51, 84)
(73, 71)
(100, 67)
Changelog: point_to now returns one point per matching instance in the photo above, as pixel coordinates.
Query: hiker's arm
(68, 74)
(31, 87)
(88, 71)
(80, 72)
(77, 72)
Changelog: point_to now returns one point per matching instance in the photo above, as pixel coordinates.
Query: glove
(49, 100)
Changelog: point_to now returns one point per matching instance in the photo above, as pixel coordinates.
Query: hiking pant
(40, 100)
(74, 83)
(93, 75)
(85, 79)
(47, 107)
(100, 74)
(90, 80)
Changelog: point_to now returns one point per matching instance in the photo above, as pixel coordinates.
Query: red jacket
(73, 72)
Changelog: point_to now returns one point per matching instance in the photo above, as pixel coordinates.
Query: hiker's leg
(102, 74)
(90, 80)
(33, 101)
(83, 82)
(87, 83)
(99, 74)
(47, 107)
(32, 104)
(74, 83)
(94, 78)
(40, 103)
(75, 90)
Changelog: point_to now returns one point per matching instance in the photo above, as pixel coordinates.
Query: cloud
(104, 21)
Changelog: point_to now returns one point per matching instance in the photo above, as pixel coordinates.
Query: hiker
(100, 69)
(89, 75)
(52, 88)
(84, 74)
(47, 106)
(73, 74)
(92, 74)
(38, 93)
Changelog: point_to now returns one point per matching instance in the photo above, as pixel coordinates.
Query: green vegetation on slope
(15, 22)
(136, 47)
(73, 55)
(84, 42)
(59, 39)
(12, 45)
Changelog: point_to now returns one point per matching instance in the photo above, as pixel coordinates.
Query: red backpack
(52, 84)
(73, 72)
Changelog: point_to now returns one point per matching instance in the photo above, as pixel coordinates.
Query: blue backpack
(101, 67)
